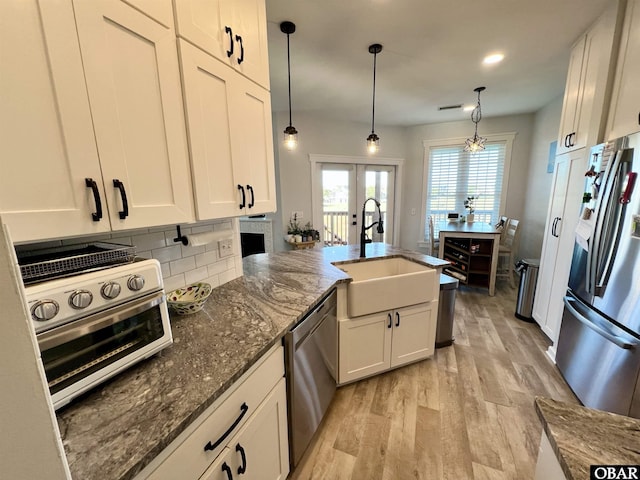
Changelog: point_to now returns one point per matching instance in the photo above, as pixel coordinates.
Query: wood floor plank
(373, 448)
(428, 447)
(428, 384)
(355, 418)
(456, 454)
(482, 472)
(480, 432)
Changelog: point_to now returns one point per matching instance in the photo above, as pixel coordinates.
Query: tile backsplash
(181, 265)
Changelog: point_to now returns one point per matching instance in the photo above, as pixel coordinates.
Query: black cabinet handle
(553, 227)
(91, 183)
(253, 198)
(244, 199)
(243, 411)
(239, 40)
(123, 194)
(638, 118)
(242, 468)
(229, 32)
(397, 319)
(572, 137)
(227, 470)
(390, 323)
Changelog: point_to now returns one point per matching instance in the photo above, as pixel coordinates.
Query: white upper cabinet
(230, 137)
(93, 129)
(584, 109)
(133, 81)
(46, 132)
(234, 31)
(624, 116)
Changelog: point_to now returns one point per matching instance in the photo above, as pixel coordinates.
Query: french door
(344, 188)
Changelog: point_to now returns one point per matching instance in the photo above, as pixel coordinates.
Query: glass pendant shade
(290, 138)
(476, 143)
(373, 143)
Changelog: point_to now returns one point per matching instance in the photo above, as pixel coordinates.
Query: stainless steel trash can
(528, 269)
(446, 307)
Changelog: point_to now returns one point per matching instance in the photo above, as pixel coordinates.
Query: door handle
(229, 32)
(239, 40)
(91, 183)
(553, 227)
(620, 342)
(226, 469)
(124, 213)
(242, 468)
(244, 199)
(212, 446)
(253, 198)
(397, 319)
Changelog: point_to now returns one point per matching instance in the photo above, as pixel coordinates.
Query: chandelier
(476, 143)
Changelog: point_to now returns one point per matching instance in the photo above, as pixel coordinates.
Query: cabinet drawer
(186, 457)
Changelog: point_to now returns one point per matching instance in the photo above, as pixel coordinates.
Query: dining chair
(507, 250)
(435, 242)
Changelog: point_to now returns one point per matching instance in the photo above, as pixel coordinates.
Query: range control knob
(80, 299)
(110, 290)
(44, 310)
(135, 282)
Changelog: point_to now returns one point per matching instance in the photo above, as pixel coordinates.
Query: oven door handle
(76, 329)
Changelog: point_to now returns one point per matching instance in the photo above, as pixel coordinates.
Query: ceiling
(432, 56)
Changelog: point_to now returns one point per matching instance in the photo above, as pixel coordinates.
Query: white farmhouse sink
(388, 283)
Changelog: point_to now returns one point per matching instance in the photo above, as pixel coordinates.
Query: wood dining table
(472, 249)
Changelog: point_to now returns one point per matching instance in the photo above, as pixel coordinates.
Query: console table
(472, 249)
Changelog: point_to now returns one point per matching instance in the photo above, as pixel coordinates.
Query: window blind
(455, 175)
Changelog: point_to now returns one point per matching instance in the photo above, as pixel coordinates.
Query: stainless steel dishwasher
(311, 357)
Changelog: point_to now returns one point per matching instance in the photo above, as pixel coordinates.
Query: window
(452, 175)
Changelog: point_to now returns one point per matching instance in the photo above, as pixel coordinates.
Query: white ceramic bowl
(189, 299)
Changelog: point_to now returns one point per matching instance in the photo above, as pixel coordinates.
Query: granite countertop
(114, 431)
(582, 436)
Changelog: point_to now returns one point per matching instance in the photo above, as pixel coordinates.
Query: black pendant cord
(289, 76)
(373, 109)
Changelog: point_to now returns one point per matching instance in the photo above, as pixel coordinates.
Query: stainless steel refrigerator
(598, 347)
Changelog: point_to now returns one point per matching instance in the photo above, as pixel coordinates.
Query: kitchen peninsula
(113, 432)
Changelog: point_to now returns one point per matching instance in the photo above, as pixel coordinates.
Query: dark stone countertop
(582, 436)
(114, 431)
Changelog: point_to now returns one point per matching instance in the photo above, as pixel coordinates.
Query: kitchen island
(114, 431)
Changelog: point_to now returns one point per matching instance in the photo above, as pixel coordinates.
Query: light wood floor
(467, 413)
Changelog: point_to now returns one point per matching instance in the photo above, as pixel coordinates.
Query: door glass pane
(376, 186)
(335, 207)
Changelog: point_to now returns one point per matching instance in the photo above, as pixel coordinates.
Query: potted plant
(469, 204)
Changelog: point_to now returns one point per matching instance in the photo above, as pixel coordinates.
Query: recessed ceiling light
(493, 58)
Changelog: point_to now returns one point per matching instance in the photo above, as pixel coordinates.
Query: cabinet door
(559, 240)
(414, 333)
(46, 129)
(221, 468)
(624, 117)
(252, 138)
(550, 239)
(261, 448)
(572, 96)
(133, 80)
(251, 52)
(208, 92)
(365, 346)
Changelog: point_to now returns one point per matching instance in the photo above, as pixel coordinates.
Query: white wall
(522, 125)
(545, 130)
(317, 135)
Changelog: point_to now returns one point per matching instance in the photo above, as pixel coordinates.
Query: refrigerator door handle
(619, 341)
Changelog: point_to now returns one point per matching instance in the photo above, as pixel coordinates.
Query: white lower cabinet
(243, 435)
(381, 341)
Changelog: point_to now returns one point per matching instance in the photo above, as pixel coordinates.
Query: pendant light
(290, 133)
(373, 141)
(476, 143)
